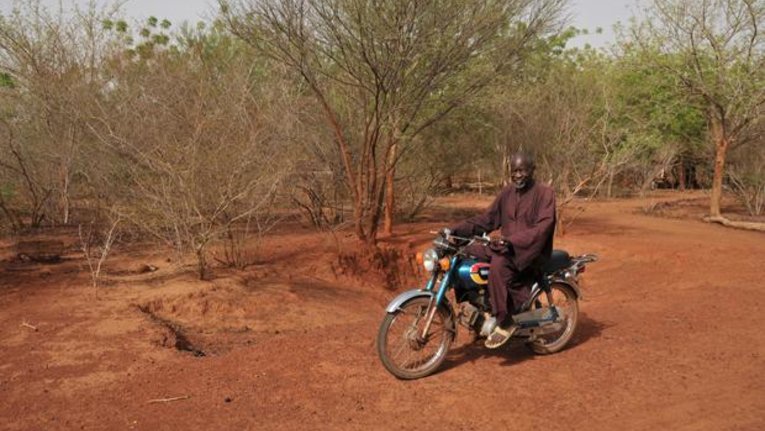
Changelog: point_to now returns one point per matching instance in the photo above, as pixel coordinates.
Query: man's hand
(497, 242)
(499, 245)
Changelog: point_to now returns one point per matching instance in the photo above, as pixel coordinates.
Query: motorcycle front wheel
(565, 301)
(401, 347)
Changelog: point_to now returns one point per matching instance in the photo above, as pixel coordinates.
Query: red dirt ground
(671, 338)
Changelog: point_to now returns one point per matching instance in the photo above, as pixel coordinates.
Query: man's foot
(499, 336)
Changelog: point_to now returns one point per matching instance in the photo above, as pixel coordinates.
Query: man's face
(521, 172)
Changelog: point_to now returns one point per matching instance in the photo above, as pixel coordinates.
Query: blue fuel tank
(473, 274)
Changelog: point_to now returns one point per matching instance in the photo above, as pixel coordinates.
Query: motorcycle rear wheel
(565, 300)
(403, 353)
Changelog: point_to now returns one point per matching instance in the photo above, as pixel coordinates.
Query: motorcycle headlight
(430, 259)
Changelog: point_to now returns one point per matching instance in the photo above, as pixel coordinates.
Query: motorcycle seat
(559, 259)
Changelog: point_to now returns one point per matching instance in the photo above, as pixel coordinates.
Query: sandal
(500, 336)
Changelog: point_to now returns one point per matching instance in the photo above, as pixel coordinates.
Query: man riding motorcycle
(525, 212)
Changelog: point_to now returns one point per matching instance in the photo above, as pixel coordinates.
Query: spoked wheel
(557, 335)
(403, 350)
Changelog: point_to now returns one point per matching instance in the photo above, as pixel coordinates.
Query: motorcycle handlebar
(583, 259)
(485, 240)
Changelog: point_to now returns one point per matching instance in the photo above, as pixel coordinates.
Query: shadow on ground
(516, 352)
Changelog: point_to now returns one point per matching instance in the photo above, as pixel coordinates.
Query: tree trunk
(359, 221)
(610, 186)
(371, 221)
(505, 165)
(201, 262)
(390, 200)
(681, 175)
(390, 203)
(721, 148)
(65, 203)
(389, 206)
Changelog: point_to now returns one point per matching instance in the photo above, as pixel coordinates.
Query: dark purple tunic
(527, 219)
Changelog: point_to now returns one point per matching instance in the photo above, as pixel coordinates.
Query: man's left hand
(498, 245)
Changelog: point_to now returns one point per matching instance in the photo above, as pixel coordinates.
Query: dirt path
(671, 338)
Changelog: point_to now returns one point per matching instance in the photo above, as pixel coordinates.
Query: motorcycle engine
(471, 317)
(468, 314)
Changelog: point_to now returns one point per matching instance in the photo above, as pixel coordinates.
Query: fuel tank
(473, 274)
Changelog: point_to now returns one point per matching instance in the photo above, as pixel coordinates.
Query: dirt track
(671, 338)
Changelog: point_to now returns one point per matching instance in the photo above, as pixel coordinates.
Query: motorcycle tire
(553, 343)
(399, 346)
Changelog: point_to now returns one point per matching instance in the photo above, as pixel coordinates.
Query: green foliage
(6, 80)
(152, 38)
(652, 100)
(7, 190)
(160, 39)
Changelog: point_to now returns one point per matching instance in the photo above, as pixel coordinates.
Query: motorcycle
(420, 324)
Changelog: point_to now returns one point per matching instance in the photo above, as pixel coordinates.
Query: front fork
(436, 300)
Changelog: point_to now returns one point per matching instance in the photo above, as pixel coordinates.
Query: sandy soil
(670, 338)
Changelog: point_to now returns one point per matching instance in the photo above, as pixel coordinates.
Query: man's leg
(519, 294)
(502, 274)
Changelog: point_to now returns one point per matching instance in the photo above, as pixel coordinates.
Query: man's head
(521, 169)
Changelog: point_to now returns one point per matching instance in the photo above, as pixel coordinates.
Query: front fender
(404, 297)
(398, 301)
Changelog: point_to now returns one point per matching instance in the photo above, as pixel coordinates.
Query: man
(525, 212)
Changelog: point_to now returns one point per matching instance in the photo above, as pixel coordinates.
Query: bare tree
(384, 71)
(96, 241)
(190, 130)
(52, 61)
(747, 179)
(21, 182)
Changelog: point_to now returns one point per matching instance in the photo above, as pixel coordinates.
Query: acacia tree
(658, 127)
(384, 71)
(716, 50)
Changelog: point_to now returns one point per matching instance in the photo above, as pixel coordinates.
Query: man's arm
(480, 224)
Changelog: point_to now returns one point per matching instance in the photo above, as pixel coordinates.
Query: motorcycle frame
(539, 287)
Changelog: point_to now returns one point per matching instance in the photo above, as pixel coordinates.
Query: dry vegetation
(356, 116)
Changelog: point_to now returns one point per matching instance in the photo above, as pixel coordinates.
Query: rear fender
(572, 285)
(537, 290)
